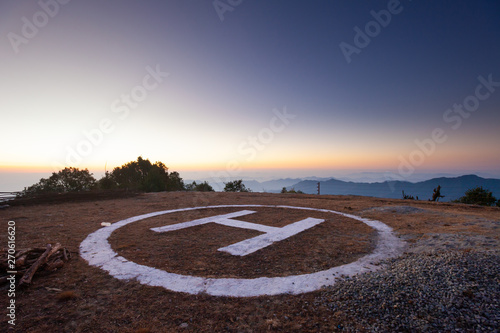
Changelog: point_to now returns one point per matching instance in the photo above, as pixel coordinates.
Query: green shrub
(478, 196)
(235, 186)
(175, 182)
(292, 190)
(202, 187)
(142, 175)
(107, 182)
(408, 196)
(66, 180)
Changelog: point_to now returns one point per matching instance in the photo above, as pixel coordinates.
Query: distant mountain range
(272, 186)
(452, 188)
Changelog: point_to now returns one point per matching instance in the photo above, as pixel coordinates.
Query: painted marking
(219, 219)
(259, 242)
(98, 252)
(270, 236)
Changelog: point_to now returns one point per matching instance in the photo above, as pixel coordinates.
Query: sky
(239, 88)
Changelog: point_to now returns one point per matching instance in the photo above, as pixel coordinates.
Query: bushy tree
(142, 175)
(107, 182)
(292, 190)
(478, 196)
(66, 180)
(202, 187)
(235, 186)
(175, 182)
(135, 175)
(155, 180)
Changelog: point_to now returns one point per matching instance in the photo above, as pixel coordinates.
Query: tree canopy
(139, 175)
(292, 190)
(142, 175)
(66, 180)
(202, 187)
(478, 196)
(235, 186)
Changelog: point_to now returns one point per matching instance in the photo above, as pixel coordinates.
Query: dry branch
(56, 248)
(31, 271)
(21, 260)
(31, 260)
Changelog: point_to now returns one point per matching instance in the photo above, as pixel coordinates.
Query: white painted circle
(98, 252)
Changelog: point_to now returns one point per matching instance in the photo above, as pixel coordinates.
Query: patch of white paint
(270, 236)
(277, 234)
(98, 252)
(224, 219)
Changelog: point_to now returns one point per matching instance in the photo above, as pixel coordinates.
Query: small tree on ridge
(235, 186)
(478, 196)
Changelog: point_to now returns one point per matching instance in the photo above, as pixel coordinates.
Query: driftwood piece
(26, 279)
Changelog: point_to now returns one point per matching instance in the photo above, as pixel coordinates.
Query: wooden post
(319, 189)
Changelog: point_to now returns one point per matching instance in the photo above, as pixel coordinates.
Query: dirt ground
(82, 298)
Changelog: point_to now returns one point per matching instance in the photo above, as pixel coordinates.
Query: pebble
(454, 291)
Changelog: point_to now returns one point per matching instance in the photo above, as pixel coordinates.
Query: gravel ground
(455, 291)
(434, 242)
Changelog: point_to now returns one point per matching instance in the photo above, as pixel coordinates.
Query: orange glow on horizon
(25, 168)
(373, 161)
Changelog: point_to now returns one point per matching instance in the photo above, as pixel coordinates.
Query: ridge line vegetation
(140, 175)
(143, 176)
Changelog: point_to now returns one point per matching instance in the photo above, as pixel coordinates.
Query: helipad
(98, 252)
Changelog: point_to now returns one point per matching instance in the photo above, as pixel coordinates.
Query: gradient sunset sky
(285, 87)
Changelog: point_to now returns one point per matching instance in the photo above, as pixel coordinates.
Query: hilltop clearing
(452, 246)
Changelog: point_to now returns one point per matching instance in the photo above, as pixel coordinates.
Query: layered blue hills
(451, 187)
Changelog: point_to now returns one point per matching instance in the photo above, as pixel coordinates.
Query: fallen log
(56, 248)
(26, 279)
(31, 260)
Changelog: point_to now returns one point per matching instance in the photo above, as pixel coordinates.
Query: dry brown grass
(67, 295)
(97, 302)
